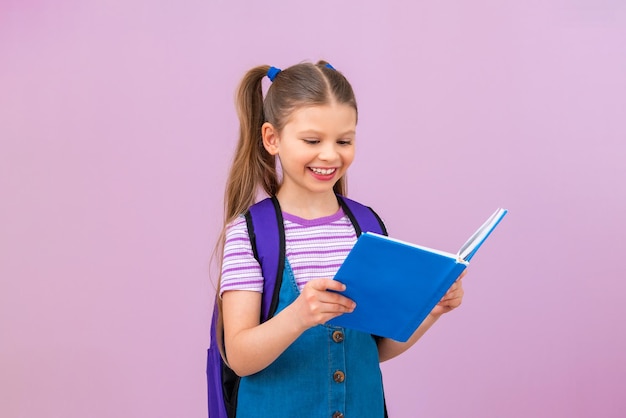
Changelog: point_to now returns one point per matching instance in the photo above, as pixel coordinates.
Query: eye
(311, 141)
(344, 142)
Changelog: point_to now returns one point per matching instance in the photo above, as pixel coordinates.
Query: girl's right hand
(317, 305)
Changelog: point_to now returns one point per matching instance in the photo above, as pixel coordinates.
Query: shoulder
(364, 216)
(354, 205)
(236, 224)
(236, 229)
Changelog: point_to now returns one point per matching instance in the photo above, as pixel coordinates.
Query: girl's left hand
(452, 299)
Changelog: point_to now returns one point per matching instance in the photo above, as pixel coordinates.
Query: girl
(293, 364)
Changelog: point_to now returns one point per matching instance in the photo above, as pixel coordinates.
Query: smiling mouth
(323, 171)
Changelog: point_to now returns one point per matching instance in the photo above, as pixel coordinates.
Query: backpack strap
(215, 369)
(362, 217)
(265, 220)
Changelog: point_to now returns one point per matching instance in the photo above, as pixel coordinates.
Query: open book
(396, 284)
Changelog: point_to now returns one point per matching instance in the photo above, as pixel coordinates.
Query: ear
(270, 138)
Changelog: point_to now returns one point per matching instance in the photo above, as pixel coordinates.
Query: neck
(310, 206)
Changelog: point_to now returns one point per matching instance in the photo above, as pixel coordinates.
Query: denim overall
(327, 372)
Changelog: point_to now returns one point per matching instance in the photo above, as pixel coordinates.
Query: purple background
(117, 126)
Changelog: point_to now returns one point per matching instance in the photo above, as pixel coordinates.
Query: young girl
(293, 364)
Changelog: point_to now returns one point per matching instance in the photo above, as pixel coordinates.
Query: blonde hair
(303, 84)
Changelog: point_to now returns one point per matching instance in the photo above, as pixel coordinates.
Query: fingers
(322, 287)
(320, 301)
(454, 296)
(327, 284)
(452, 293)
(324, 291)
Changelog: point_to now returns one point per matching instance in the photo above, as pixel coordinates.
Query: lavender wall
(116, 129)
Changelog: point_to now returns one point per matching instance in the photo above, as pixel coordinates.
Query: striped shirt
(315, 248)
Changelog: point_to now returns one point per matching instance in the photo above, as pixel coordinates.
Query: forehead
(329, 118)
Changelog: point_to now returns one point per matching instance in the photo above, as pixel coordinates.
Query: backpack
(267, 236)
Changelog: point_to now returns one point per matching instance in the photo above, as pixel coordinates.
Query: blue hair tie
(272, 73)
(329, 66)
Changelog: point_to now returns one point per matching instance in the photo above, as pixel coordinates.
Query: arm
(251, 346)
(388, 349)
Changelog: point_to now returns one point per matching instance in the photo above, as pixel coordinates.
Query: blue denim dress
(327, 372)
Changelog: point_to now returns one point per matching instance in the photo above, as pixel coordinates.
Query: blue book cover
(396, 284)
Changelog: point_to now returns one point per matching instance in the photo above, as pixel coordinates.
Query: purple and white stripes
(314, 248)
(240, 270)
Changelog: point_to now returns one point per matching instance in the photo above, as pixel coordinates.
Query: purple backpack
(267, 236)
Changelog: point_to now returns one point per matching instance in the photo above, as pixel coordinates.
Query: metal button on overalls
(337, 415)
(338, 336)
(339, 376)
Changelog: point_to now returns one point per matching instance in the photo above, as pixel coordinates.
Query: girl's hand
(251, 346)
(388, 349)
(316, 305)
(451, 300)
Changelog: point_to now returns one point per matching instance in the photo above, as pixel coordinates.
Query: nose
(328, 152)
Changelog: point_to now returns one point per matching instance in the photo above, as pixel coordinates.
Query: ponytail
(252, 166)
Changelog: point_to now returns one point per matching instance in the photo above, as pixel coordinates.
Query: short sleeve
(240, 270)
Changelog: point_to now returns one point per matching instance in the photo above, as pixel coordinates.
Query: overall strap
(267, 236)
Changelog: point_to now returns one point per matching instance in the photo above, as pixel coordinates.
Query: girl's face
(315, 148)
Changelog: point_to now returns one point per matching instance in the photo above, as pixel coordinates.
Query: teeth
(323, 171)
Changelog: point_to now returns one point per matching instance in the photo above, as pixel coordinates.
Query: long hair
(253, 168)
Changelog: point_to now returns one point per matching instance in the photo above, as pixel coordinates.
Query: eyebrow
(318, 133)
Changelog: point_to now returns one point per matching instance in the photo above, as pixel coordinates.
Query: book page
(421, 247)
(475, 241)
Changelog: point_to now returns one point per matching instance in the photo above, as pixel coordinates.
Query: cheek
(348, 157)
